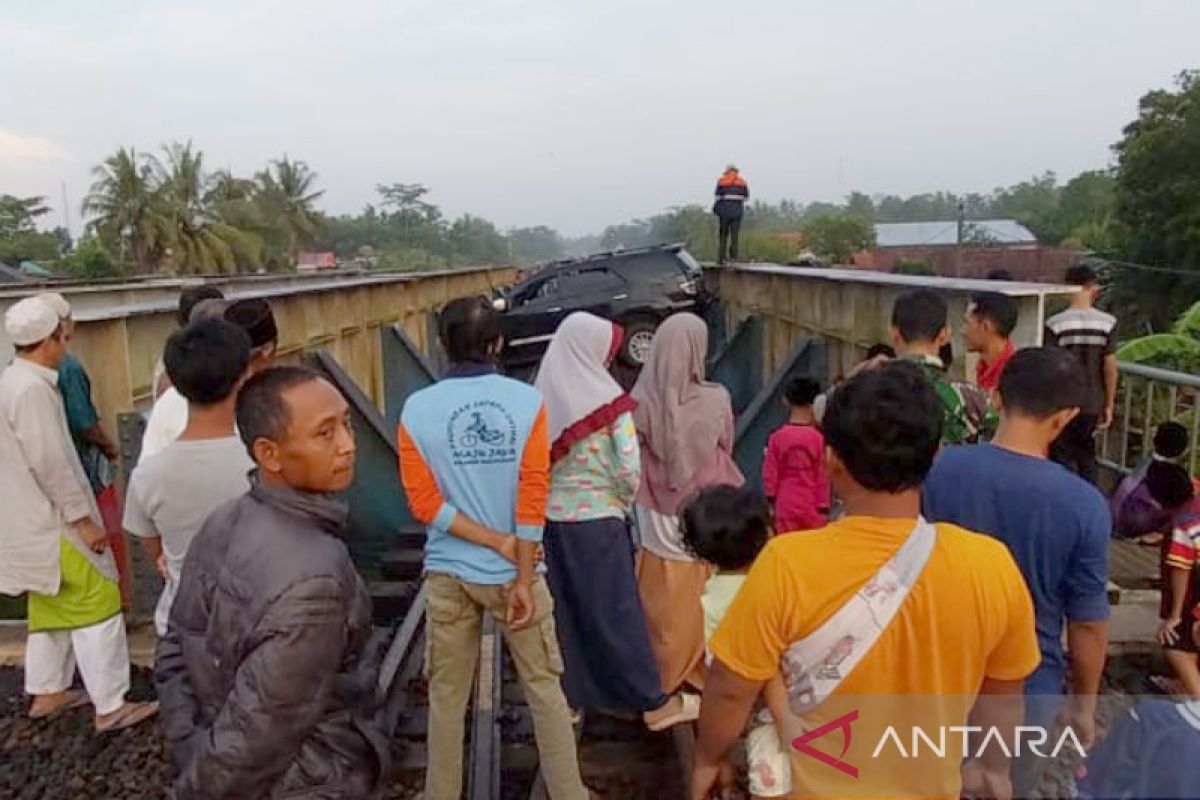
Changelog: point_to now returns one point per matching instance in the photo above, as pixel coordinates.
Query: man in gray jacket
(263, 675)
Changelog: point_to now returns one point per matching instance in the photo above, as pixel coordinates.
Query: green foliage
(912, 266)
(1158, 205)
(91, 260)
(1178, 350)
(20, 240)
(838, 236)
(19, 214)
(35, 246)
(531, 245)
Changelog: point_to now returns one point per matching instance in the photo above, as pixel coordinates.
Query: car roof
(611, 255)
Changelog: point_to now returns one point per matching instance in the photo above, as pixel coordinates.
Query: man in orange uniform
(732, 194)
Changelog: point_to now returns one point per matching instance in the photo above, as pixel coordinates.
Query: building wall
(1036, 263)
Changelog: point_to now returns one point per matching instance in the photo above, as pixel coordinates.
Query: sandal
(73, 698)
(127, 716)
(685, 707)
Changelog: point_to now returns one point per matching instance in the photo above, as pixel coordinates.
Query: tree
(836, 237)
(1033, 203)
(91, 260)
(539, 243)
(195, 240)
(20, 214)
(475, 241)
(1158, 204)
(20, 240)
(861, 205)
(288, 197)
(119, 204)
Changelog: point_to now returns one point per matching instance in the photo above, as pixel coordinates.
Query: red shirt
(794, 475)
(988, 375)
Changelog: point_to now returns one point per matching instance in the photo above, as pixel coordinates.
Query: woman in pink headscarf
(685, 428)
(594, 476)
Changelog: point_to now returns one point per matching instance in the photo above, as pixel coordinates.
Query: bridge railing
(1146, 398)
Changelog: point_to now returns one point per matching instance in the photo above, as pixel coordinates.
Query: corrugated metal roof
(917, 234)
(10, 275)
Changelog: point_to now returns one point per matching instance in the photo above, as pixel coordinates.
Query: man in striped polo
(1089, 334)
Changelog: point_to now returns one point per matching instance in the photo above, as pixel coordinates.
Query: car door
(599, 290)
(532, 320)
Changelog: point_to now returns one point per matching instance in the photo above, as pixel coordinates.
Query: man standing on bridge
(1089, 334)
(475, 462)
(1055, 525)
(919, 331)
(265, 674)
(51, 543)
(732, 194)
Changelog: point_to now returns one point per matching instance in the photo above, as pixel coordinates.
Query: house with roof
(966, 249)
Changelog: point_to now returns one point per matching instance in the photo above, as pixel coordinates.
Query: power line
(1187, 273)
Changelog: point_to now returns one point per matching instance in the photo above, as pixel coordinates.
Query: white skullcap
(30, 321)
(57, 302)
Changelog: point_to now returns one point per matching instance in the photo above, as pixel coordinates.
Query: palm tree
(120, 205)
(200, 241)
(287, 197)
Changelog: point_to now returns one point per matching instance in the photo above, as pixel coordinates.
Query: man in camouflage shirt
(919, 331)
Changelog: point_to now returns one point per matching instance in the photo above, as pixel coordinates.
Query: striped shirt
(1185, 538)
(1089, 334)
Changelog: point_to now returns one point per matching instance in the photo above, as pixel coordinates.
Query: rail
(1147, 397)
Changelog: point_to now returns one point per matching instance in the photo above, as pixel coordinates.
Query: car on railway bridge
(636, 288)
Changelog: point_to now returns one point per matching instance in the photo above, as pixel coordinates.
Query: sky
(578, 115)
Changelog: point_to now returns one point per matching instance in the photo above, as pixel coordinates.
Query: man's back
(967, 617)
(473, 433)
(1089, 334)
(265, 654)
(968, 417)
(172, 493)
(1055, 524)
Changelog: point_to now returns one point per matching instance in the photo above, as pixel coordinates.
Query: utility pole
(66, 209)
(958, 242)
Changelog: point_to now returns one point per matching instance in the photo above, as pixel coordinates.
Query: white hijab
(574, 376)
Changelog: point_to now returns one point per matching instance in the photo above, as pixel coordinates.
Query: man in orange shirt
(959, 642)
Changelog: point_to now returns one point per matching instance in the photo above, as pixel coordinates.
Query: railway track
(620, 758)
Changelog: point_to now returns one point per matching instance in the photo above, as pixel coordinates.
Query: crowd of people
(914, 537)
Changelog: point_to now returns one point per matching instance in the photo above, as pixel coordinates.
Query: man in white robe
(52, 545)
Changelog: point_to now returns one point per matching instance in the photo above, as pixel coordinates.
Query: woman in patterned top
(594, 477)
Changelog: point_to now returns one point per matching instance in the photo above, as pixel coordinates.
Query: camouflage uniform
(969, 416)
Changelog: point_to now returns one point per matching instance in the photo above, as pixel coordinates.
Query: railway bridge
(373, 335)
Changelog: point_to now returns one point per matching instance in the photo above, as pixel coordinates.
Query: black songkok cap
(254, 316)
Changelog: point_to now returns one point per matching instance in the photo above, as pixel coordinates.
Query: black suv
(636, 288)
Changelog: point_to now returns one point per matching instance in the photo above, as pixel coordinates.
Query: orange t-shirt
(968, 617)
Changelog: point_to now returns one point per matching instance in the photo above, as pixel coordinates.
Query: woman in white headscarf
(594, 477)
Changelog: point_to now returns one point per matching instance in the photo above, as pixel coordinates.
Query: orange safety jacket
(732, 194)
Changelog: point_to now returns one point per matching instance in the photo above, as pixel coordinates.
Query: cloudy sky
(577, 114)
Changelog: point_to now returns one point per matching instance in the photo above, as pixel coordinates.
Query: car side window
(595, 281)
(547, 289)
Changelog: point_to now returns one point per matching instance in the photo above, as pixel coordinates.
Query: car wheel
(639, 337)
